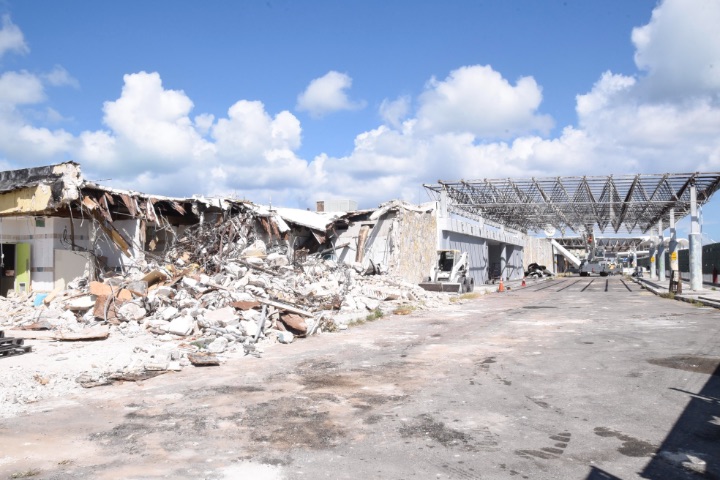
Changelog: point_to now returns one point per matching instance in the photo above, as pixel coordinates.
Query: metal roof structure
(633, 202)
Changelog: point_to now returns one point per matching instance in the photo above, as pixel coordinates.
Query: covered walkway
(639, 204)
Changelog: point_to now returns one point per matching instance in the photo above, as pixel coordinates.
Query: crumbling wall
(400, 242)
(538, 250)
(412, 244)
(29, 199)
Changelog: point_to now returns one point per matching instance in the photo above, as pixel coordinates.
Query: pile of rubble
(218, 291)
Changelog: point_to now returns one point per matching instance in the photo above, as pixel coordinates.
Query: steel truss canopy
(631, 202)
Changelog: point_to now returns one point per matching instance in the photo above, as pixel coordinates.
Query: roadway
(570, 378)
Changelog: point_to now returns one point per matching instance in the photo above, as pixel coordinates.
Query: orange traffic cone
(523, 284)
(501, 287)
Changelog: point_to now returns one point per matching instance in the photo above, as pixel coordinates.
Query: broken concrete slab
(130, 311)
(99, 332)
(83, 303)
(182, 326)
(285, 337)
(219, 345)
(203, 360)
(222, 316)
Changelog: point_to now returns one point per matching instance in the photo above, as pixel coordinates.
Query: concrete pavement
(570, 378)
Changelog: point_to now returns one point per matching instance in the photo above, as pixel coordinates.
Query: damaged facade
(56, 226)
(194, 281)
(403, 239)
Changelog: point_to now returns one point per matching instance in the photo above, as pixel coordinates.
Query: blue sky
(300, 101)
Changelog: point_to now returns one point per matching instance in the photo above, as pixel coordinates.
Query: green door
(22, 267)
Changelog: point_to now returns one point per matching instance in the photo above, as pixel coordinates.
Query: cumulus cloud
(328, 94)
(149, 121)
(11, 38)
(664, 118)
(152, 144)
(59, 77)
(474, 123)
(478, 100)
(20, 140)
(249, 132)
(18, 88)
(679, 48)
(394, 111)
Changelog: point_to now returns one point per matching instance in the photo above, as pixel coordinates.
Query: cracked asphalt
(572, 378)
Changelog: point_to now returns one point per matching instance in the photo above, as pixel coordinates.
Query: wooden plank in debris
(51, 296)
(105, 290)
(245, 305)
(294, 322)
(285, 306)
(178, 208)
(362, 239)
(156, 276)
(108, 228)
(129, 204)
(106, 309)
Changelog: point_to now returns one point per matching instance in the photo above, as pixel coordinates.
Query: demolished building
(56, 226)
(194, 280)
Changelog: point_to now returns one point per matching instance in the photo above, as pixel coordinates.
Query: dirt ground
(563, 379)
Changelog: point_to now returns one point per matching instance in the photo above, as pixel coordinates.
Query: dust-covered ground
(567, 378)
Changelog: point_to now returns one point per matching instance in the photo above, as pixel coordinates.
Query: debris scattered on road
(228, 287)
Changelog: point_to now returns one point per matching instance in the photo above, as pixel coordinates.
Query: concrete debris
(203, 360)
(230, 287)
(285, 337)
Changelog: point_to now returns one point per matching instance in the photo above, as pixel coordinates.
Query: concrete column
(661, 253)
(443, 213)
(634, 262)
(653, 261)
(696, 283)
(503, 261)
(672, 247)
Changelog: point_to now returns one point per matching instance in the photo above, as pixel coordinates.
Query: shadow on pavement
(598, 474)
(692, 448)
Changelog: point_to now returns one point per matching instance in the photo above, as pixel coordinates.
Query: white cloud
(680, 48)
(478, 100)
(152, 144)
(59, 77)
(11, 38)
(249, 132)
(19, 139)
(394, 111)
(472, 124)
(204, 122)
(328, 94)
(18, 88)
(664, 119)
(150, 122)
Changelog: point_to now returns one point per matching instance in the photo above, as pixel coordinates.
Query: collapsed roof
(633, 202)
